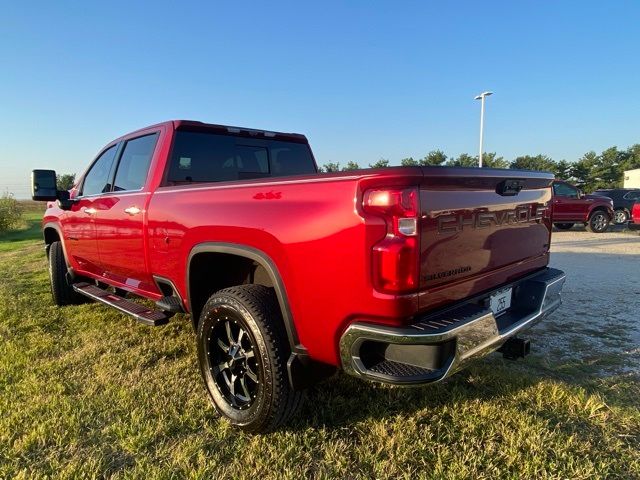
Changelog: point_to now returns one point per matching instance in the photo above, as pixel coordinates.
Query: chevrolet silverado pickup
(571, 206)
(400, 275)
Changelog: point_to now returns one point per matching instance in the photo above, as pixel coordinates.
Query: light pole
(481, 97)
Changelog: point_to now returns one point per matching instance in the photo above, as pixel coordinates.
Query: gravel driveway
(599, 322)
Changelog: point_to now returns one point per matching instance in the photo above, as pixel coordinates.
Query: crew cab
(400, 275)
(571, 206)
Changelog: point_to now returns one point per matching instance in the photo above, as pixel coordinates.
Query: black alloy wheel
(232, 359)
(243, 351)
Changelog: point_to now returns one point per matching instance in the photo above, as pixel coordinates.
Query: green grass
(29, 230)
(86, 392)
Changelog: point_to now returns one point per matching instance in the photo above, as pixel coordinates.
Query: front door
(78, 223)
(567, 205)
(121, 217)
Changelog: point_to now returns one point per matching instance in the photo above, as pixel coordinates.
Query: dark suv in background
(623, 200)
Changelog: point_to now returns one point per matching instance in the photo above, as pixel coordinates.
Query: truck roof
(194, 125)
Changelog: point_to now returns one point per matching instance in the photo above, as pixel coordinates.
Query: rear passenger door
(121, 215)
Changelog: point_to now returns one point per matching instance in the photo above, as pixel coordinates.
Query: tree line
(589, 172)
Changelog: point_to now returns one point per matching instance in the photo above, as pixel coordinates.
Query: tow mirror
(43, 185)
(44, 189)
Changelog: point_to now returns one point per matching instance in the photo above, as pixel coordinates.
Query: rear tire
(243, 351)
(62, 291)
(620, 216)
(598, 222)
(563, 226)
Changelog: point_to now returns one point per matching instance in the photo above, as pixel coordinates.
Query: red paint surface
(635, 213)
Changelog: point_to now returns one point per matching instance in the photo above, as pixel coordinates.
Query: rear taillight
(395, 257)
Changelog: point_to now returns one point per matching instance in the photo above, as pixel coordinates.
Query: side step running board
(141, 313)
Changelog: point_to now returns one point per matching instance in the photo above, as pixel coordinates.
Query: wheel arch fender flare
(268, 264)
(602, 208)
(49, 226)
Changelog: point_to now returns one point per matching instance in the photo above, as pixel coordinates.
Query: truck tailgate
(480, 228)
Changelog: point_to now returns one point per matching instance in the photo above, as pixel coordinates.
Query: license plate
(500, 301)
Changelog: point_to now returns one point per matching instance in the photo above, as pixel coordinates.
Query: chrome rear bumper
(436, 346)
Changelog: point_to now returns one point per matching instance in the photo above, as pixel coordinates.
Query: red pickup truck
(571, 206)
(398, 275)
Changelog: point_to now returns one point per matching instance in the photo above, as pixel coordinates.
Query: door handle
(132, 211)
(89, 210)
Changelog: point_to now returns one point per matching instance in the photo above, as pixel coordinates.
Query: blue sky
(363, 80)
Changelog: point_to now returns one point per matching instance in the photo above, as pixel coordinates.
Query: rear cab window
(199, 156)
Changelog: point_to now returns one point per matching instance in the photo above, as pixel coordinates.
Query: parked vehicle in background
(571, 206)
(623, 201)
(400, 275)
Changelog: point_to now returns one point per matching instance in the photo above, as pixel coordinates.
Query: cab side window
(96, 180)
(634, 195)
(134, 163)
(564, 190)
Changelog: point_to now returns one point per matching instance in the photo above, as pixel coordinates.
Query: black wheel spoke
(232, 384)
(243, 384)
(233, 361)
(221, 367)
(227, 326)
(225, 376)
(252, 376)
(222, 345)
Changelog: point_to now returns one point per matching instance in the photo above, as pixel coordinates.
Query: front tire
(598, 222)
(564, 226)
(620, 217)
(242, 351)
(62, 291)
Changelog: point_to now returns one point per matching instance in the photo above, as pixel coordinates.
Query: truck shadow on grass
(342, 400)
(568, 400)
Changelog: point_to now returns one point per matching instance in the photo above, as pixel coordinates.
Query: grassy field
(86, 392)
